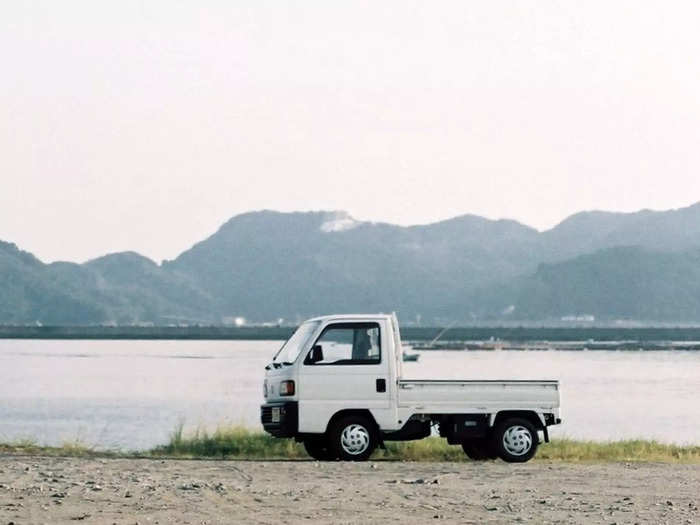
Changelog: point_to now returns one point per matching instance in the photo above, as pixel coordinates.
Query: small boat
(411, 357)
(434, 345)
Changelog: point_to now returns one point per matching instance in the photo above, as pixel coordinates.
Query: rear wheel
(318, 449)
(515, 440)
(479, 449)
(353, 438)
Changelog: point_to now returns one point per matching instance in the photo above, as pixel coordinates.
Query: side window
(347, 344)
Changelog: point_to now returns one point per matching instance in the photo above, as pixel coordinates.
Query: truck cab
(337, 386)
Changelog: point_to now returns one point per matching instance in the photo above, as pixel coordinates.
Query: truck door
(345, 368)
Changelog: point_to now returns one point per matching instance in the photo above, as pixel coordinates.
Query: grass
(626, 450)
(238, 442)
(68, 448)
(229, 442)
(242, 443)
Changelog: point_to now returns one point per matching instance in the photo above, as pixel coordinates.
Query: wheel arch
(362, 412)
(530, 415)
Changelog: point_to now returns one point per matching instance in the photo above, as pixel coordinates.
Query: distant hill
(266, 265)
(139, 289)
(587, 232)
(123, 288)
(309, 263)
(630, 283)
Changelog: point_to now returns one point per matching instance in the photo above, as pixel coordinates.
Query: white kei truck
(336, 386)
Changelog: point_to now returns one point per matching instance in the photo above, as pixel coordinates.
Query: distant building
(234, 320)
(586, 318)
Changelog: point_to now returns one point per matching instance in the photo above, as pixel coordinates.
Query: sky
(145, 125)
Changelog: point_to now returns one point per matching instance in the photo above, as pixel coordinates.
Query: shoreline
(243, 444)
(634, 337)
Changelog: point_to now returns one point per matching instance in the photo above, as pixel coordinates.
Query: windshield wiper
(287, 363)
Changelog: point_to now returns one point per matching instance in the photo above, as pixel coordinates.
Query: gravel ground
(128, 491)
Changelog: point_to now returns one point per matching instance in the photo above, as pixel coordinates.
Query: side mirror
(316, 354)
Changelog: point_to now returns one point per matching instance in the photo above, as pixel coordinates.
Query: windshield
(290, 350)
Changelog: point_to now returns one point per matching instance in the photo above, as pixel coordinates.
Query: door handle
(381, 385)
(407, 387)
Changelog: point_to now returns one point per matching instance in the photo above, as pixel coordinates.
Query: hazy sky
(145, 125)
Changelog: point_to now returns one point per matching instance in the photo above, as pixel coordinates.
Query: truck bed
(477, 395)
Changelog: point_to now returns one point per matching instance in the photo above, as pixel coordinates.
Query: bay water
(131, 395)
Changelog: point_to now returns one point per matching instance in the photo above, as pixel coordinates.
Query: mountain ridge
(267, 264)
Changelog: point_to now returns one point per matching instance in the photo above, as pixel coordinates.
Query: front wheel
(353, 438)
(515, 440)
(318, 449)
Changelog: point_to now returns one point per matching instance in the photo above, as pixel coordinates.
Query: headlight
(287, 388)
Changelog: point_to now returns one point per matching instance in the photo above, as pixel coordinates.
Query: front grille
(289, 417)
(266, 415)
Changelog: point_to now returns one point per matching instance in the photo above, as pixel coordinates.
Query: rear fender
(536, 418)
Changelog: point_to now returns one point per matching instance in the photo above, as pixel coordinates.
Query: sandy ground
(128, 491)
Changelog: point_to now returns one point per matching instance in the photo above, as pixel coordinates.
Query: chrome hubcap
(354, 439)
(517, 440)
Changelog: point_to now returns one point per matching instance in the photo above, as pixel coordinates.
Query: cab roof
(352, 317)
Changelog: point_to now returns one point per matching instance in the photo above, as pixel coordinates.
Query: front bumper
(286, 424)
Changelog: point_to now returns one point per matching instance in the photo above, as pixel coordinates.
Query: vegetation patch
(626, 450)
(239, 442)
(229, 442)
(68, 448)
(242, 443)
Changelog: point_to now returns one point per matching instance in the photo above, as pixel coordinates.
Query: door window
(347, 344)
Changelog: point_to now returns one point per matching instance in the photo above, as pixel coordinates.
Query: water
(132, 394)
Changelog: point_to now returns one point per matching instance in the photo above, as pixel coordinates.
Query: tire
(515, 440)
(479, 449)
(353, 438)
(318, 449)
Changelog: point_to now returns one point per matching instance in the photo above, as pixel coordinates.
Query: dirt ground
(129, 491)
